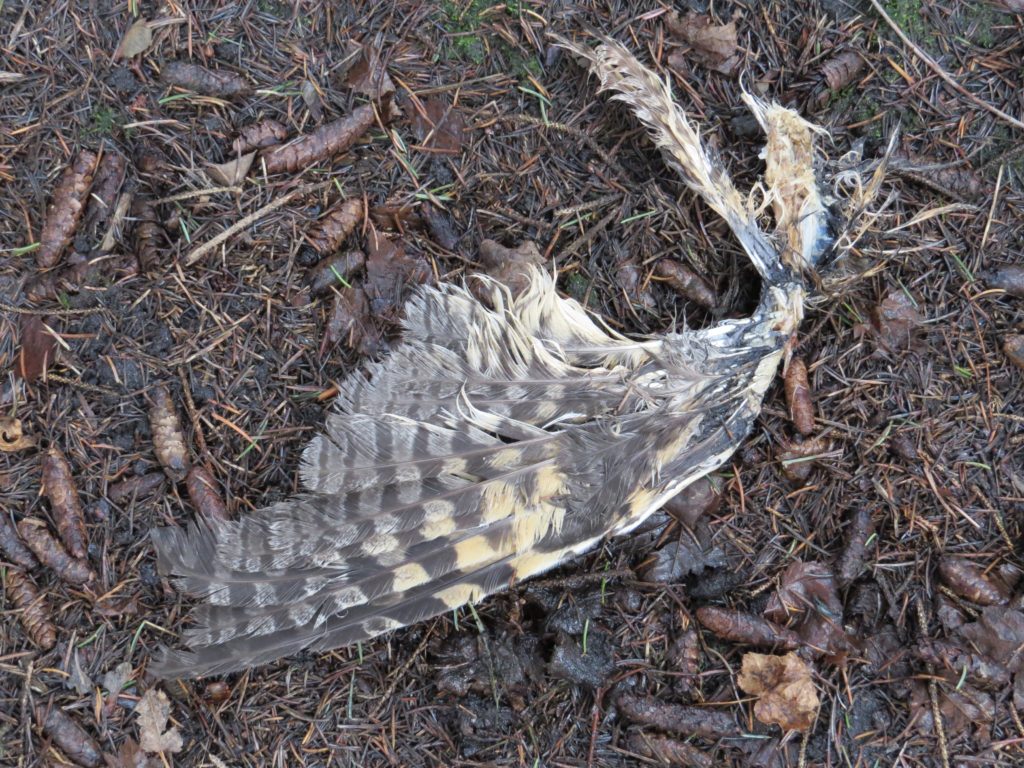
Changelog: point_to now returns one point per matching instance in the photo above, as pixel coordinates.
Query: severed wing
(493, 444)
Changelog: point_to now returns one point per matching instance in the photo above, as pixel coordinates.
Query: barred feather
(497, 442)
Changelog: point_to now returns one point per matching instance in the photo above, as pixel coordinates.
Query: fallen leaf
(509, 266)
(807, 602)
(154, 710)
(788, 698)
(439, 126)
(1013, 348)
(690, 553)
(999, 634)
(11, 436)
(713, 45)
(136, 40)
(895, 319)
(77, 677)
(389, 272)
(369, 76)
(114, 679)
(232, 172)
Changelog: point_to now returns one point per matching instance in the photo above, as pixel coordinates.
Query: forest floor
(886, 541)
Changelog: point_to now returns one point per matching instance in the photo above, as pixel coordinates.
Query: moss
(576, 285)
(909, 17)
(103, 122)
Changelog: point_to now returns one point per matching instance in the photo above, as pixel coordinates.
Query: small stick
(211, 244)
(197, 193)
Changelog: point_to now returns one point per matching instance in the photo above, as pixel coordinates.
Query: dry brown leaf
(233, 172)
(439, 126)
(390, 272)
(713, 45)
(137, 39)
(509, 266)
(154, 710)
(1013, 348)
(334, 272)
(1007, 277)
(787, 694)
(12, 438)
(369, 76)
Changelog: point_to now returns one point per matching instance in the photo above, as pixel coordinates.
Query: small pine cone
(34, 611)
(168, 439)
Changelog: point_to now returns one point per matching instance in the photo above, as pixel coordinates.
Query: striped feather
(497, 442)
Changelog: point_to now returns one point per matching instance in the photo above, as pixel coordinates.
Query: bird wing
(492, 445)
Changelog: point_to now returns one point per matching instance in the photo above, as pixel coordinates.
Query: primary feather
(497, 442)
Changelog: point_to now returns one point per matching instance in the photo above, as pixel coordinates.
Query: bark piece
(209, 82)
(34, 610)
(52, 554)
(59, 487)
(168, 439)
(324, 143)
(65, 210)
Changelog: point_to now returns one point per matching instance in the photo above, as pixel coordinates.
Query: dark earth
(884, 545)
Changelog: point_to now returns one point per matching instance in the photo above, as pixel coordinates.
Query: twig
(934, 67)
(933, 687)
(54, 312)
(210, 245)
(197, 193)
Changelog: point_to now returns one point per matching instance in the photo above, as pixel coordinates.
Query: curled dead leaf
(137, 39)
(787, 696)
(233, 172)
(12, 438)
(713, 45)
